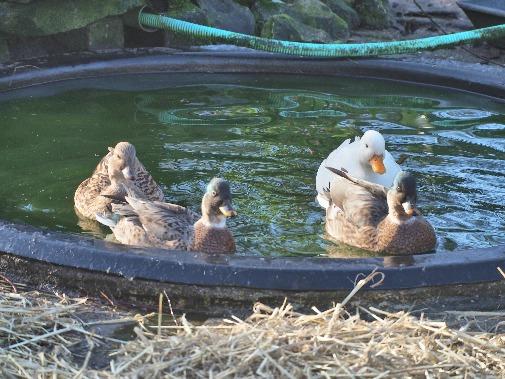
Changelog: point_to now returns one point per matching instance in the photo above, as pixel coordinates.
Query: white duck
(366, 158)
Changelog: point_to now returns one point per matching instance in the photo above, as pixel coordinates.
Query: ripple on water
(312, 114)
(382, 125)
(463, 114)
(268, 140)
(497, 144)
(491, 126)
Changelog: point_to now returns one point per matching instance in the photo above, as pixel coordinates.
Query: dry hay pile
(39, 330)
(275, 343)
(36, 333)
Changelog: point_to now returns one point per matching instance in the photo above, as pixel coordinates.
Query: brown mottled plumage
(87, 199)
(212, 240)
(375, 218)
(156, 224)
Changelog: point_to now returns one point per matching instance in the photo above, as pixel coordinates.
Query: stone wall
(34, 28)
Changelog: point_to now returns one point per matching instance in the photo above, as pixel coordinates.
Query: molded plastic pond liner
(222, 284)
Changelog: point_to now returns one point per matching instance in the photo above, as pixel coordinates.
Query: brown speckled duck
(156, 224)
(87, 199)
(377, 218)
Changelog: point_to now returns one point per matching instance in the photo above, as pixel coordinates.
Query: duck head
(124, 157)
(372, 150)
(216, 203)
(116, 190)
(115, 170)
(402, 196)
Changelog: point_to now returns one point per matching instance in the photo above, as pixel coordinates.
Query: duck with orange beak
(365, 158)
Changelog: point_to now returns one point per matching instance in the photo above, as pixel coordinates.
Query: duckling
(87, 199)
(377, 218)
(156, 224)
(366, 158)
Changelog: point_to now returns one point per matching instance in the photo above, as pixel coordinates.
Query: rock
(316, 14)
(342, 9)
(264, 9)
(308, 15)
(4, 50)
(187, 11)
(374, 14)
(46, 17)
(284, 27)
(228, 15)
(34, 47)
(281, 26)
(246, 3)
(105, 34)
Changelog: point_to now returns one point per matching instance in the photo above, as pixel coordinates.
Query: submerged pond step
(249, 113)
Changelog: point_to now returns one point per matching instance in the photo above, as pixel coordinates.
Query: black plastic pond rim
(252, 272)
(289, 274)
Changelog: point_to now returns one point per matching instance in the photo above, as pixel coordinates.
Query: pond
(267, 136)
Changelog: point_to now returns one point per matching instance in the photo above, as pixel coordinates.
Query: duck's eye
(399, 189)
(214, 193)
(366, 145)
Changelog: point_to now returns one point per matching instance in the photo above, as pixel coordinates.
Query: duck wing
(354, 214)
(164, 221)
(358, 205)
(127, 229)
(377, 190)
(362, 203)
(102, 166)
(191, 216)
(146, 183)
(340, 157)
(87, 199)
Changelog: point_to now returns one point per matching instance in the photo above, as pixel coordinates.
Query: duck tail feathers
(123, 210)
(323, 199)
(107, 221)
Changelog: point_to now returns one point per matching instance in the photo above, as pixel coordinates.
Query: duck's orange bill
(377, 163)
(228, 211)
(410, 212)
(409, 209)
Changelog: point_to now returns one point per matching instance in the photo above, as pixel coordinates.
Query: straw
(39, 332)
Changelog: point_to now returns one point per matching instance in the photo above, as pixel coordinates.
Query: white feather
(106, 221)
(350, 155)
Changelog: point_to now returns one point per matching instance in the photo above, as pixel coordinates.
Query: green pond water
(267, 136)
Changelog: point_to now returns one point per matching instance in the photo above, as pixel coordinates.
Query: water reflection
(463, 114)
(267, 139)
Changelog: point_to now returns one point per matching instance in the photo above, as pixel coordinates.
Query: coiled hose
(331, 50)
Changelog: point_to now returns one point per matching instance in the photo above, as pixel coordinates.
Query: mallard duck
(87, 199)
(156, 224)
(376, 218)
(366, 158)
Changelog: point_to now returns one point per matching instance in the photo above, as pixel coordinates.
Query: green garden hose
(331, 50)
